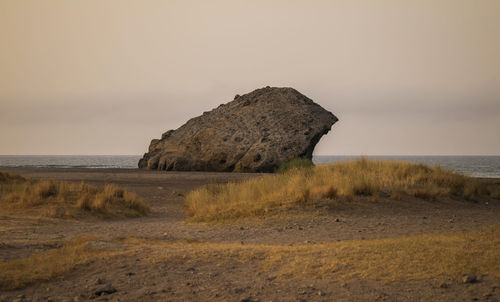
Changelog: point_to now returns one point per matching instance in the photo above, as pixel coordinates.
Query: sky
(101, 77)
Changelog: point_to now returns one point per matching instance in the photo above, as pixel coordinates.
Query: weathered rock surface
(255, 132)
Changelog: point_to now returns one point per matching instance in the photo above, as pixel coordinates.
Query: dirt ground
(135, 278)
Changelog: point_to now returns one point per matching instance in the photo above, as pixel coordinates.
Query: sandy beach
(138, 276)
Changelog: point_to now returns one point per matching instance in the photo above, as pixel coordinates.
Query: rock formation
(255, 132)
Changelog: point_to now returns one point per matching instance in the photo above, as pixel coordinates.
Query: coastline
(74, 174)
(472, 165)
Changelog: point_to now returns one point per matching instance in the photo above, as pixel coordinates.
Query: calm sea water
(477, 166)
(70, 161)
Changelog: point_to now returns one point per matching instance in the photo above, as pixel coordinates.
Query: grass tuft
(494, 192)
(296, 164)
(44, 266)
(8, 177)
(330, 193)
(64, 199)
(347, 180)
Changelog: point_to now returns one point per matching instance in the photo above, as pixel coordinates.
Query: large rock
(256, 132)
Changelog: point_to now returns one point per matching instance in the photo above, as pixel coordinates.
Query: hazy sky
(105, 77)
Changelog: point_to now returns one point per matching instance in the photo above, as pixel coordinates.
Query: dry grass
(64, 199)
(111, 200)
(10, 182)
(346, 180)
(45, 266)
(494, 192)
(422, 257)
(9, 178)
(295, 163)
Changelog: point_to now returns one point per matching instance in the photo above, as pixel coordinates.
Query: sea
(475, 166)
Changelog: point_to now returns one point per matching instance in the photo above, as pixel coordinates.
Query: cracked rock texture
(255, 132)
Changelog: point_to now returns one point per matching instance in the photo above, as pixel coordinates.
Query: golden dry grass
(63, 199)
(111, 200)
(494, 192)
(45, 266)
(8, 177)
(295, 163)
(422, 257)
(347, 180)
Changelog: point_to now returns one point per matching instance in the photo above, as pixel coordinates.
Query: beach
(140, 276)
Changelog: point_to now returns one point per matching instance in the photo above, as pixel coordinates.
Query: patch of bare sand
(139, 280)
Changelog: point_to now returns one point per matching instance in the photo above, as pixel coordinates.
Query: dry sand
(137, 279)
